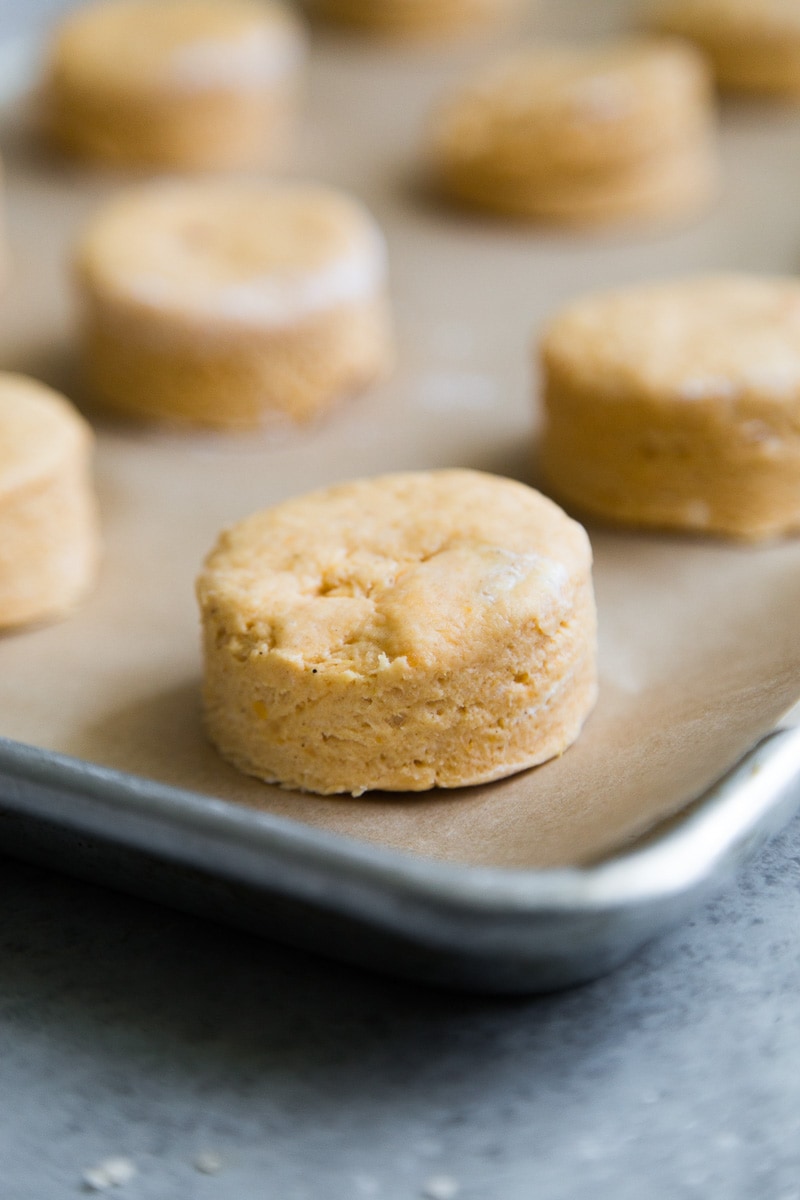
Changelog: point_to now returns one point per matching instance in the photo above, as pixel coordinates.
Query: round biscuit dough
(190, 84)
(677, 405)
(48, 523)
(752, 46)
(581, 132)
(399, 633)
(663, 189)
(231, 304)
(414, 18)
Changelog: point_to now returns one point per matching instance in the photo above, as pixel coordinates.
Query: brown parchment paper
(699, 642)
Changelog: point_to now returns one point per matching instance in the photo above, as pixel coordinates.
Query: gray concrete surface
(127, 1029)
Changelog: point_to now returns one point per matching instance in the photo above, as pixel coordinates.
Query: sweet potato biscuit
(173, 83)
(400, 633)
(414, 18)
(663, 189)
(48, 527)
(229, 305)
(753, 46)
(678, 405)
(582, 133)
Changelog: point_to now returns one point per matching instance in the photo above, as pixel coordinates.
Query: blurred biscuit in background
(232, 304)
(48, 522)
(581, 134)
(423, 19)
(178, 84)
(752, 46)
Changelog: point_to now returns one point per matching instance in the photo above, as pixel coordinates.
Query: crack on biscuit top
(397, 573)
(437, 607)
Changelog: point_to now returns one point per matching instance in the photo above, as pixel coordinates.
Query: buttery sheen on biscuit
(399, 633)
(753, 45)
(48, 526)
(414, 18)
(582, 134)
(187, 84)
(229, 305)
(677, 405)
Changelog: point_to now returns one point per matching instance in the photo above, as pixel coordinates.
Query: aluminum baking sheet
(529, 883)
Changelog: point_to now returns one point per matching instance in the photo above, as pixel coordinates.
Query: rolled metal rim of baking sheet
(503, 929)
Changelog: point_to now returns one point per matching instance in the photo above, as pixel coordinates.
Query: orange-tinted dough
(403, 632)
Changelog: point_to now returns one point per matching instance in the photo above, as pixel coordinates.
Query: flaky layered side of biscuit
(411, 631)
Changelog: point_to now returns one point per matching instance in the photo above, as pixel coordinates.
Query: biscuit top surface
(577, 100)
(426, 567)
(261, 253)
(38, 430)
(176, 43)
(703, 338)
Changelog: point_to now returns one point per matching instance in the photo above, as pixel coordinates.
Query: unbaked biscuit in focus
(399, 633)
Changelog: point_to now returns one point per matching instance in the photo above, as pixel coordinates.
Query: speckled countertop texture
(126, 1029)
